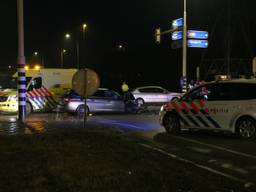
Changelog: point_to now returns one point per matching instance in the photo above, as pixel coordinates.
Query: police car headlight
(13, 98)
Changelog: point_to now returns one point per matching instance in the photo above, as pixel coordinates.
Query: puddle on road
(37, 123)
(13, 128)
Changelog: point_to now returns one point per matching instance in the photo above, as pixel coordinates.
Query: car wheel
(80, 110)
(140, 102)
(28, 108)
(171, 123)
(246, 128)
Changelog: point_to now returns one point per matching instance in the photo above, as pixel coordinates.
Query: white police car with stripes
(224, 105)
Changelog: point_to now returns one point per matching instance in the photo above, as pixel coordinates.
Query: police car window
(216, 92)
(244, 91)
(199, 93)
(36, 83)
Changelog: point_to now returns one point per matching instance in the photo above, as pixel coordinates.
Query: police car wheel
(80, 110)
(246, 128)
(28, 108)
(171, 123)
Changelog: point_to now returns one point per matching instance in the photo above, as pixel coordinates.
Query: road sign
(198, 43)
(177, 23)
(177, 44)
(85, 82)
(177, 35)
(197, 34)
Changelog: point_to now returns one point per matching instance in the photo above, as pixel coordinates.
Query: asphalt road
(220, 153)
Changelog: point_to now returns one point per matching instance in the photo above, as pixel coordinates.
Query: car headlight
(13, 98)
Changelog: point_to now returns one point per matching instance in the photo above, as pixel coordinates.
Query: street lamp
(63, 51)
(67, 36)
(84, 26)
(41, 58)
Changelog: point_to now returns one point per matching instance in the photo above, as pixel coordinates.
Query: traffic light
(158, 35)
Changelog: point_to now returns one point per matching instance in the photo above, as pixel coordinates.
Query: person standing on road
(125, 88)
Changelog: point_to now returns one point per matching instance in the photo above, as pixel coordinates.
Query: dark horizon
(131, 24)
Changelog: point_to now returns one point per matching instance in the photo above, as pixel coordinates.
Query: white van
(44, 90)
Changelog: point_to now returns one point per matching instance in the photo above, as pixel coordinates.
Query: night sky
(132, 24)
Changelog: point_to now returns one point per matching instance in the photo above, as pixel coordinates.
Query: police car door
(194, 108)
(218, 104)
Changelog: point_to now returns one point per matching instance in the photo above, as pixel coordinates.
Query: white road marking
(201, 150)
(217, 147)
(252, 167)
(245, 182)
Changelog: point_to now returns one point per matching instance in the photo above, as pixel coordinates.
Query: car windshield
(14, 82)
(11, 83)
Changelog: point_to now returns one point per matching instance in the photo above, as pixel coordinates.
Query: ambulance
(221, 106)
(45, 88)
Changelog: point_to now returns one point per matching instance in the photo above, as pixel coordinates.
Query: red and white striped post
(21, 63)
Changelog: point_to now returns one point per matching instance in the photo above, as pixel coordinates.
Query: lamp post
(68, 36)
(41, 58)
(62, 52)
(184, 49)
(21, 64)
(84, 26)
(77, 44)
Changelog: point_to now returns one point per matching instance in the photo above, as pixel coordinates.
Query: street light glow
(67, 36)
(64, 50)
(35, 53)
(84, 26)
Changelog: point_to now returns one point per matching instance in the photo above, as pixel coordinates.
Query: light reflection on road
(39, 123)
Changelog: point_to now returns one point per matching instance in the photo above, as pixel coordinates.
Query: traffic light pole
(184, 49)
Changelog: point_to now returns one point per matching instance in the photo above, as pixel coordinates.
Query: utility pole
(184, 49)
(21, 64)
(229, 39)
(77, 53)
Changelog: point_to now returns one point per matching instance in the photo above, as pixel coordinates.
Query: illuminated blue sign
(177, 23)
(198, 43)
(177, 35)
(198, 34)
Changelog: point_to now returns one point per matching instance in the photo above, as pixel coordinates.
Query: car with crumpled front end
(104, 100)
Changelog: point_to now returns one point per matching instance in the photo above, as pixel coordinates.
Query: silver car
(104, 100)
(153, 94)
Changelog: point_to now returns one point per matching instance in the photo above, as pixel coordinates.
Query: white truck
(45, 87)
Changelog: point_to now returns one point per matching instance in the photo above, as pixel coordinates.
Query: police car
(224, 106)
